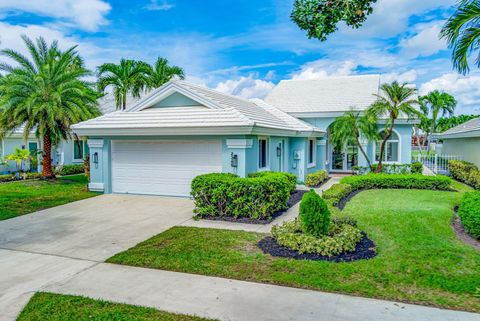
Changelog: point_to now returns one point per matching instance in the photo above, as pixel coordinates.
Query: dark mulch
(461, 233)
(341, 204)
(365, 250)
(295, 197)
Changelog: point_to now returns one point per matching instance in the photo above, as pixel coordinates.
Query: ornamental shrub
(70, 169)
(316, 178)
(465, 172)
(314, 214)
(292, 179)
(417, 168)
(336, 192)
(469, 212)
(404, 181)
(7, 178)
(343, 238)
(256, 197)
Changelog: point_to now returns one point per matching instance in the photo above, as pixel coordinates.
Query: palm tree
(348, 128)
(462, 33)
(434, 103)
(161, 72)
(394, 100)
(129, 76)
(45, 94)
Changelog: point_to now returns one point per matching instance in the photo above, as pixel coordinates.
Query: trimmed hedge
(314, 214)
(292, 179)
(413, 168)
(408, 181)
(316, 178)
(258, 196)
(12, 178)
(337, 192)
(71, 169)
(469, 213)
(465, 172)
(417, 168)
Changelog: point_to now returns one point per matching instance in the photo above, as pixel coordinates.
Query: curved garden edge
(365, 250)
(460, 232)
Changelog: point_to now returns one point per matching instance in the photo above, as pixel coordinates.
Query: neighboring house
(181, 130)
(463, 140)
(67, 152)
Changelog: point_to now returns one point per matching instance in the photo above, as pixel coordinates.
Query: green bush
(465, 172)
(256, 197)
(71, 169)
(340, 239)
(407, 181)
(469, 212)
(316, 178)
(7, 178)
(292, 179)
(417, 168)
(32, 175)
(314, 214)
(337, 192)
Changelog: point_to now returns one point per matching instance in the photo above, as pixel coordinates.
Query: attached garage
(162, 167)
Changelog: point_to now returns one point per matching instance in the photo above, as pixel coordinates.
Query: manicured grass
(19, 198)
(56, 307)
(419, 260)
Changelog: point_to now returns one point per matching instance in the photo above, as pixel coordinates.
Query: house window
(80, 149)
(392, 148)
(311, 152)
(262, 153)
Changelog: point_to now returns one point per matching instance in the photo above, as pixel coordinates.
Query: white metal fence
(437, 163)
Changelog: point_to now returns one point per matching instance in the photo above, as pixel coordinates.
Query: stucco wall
(468, 148)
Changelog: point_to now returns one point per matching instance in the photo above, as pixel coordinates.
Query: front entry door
(344, 160)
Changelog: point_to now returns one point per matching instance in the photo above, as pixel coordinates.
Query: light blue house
(181, 130)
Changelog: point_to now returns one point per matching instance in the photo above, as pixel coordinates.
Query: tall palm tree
(161, 72)
(45, 94)
(349, 128)
(434, 103)
(394, 100)
(129, 76)
(462, 33)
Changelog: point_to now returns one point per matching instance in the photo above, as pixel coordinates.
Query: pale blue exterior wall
(7, 147)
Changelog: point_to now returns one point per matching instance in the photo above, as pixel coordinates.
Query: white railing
(437, 163)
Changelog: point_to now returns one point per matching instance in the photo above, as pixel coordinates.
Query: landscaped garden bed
(465, 172)
(419, 258)
(23, 197)
(53, 307)
(259, 198)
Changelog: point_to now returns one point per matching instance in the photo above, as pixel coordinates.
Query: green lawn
(19, 198)
(419, 260)
(56, 307)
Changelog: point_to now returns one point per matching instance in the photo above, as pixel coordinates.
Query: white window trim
(84, 142)
(267, 154)
(399, 141)
(314, 158)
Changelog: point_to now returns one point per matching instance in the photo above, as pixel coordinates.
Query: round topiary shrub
(314, 214)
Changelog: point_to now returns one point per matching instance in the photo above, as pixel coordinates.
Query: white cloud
(246, 87)
(466, 89)
(425, 43)
(155, 5)
(324, 68)
(85, 14)
(409, 76)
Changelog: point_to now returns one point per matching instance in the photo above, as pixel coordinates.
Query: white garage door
(162, 167)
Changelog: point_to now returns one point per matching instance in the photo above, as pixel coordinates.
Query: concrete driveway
(51, 245)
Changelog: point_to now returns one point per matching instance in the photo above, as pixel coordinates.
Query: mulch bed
(461, 233)
(341, 204)
(365, 250)
(295, 197)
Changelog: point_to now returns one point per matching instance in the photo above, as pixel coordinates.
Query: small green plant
(19, 156)
(314, 214)
(469, 212)
(465, 172)
(336, 192)
(316, 178)
(417, 168)
(70, 170)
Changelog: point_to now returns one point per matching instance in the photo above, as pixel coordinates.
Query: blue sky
(245, 47)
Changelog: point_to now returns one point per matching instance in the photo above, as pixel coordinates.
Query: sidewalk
(226, 299)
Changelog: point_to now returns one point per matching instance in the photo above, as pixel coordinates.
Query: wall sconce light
(234, 160)
(95, 159)
(279, 151)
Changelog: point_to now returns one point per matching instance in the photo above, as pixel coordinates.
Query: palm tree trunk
(382, 147)
(364, 154)
(47, 157)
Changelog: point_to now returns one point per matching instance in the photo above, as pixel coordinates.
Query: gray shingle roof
(469, 128)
